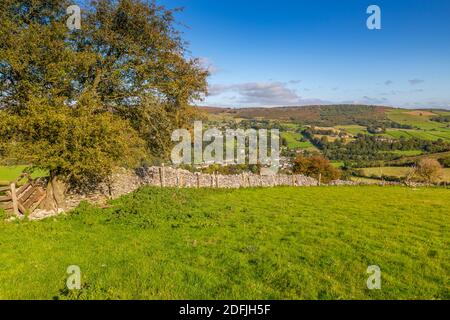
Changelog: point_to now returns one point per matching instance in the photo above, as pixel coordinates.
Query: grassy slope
(353, 129)
(8, 174)
(281, 243)
(428, 130)
(293, 140)
(405, 117)
(318, 115)
(422, 134)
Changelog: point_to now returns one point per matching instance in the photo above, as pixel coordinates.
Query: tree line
(366, 148)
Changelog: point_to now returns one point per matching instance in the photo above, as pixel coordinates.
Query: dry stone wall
(124, 182)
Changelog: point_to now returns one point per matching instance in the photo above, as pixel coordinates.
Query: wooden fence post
(161, 175)
(14, 199)
(320, 179)
(198, 179)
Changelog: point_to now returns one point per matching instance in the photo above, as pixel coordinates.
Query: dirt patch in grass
(421, 113)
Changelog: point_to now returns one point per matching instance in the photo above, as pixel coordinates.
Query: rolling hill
(317, 115)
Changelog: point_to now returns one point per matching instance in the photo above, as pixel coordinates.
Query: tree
(429, 170)
(78, 148)
(316, 166)
(126, 50)
(35, 60)
(79, 103)
(133, 62)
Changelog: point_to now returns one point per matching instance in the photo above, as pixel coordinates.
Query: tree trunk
(55, 198)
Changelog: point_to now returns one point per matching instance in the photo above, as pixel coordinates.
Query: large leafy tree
(34, 58)
(134, 63)
(79, 103)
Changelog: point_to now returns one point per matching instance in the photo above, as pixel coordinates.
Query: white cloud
(413, 82)
(263, 93)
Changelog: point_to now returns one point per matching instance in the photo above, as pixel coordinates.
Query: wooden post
(320, 179)
(161, 175)
(14, 199)
(198, 179)
(178, 178)
(293, 180)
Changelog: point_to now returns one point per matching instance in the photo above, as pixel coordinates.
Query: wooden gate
(21, 200)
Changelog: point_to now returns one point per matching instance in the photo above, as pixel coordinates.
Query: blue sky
(295, 52)
(299, 52)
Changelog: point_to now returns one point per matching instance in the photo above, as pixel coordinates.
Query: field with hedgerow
(313, 243)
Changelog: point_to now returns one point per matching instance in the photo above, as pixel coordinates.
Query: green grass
(353, 129)
(425, 128)
(433, 135)
(364, 180)
(293, 140)
(10, 173)
(403, 116)
(275, 243)
(387, 171)
(399, 172)
(337, 164)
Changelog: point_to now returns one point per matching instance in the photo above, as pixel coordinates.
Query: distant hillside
(317, 115)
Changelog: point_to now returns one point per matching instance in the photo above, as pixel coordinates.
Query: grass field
(407, 117)
(8, 174)
(337, 164)
(399, 172)
(425, 128)
(432, 135)
(278, 243)
(353, 129)
(293, 140)
(421, 120)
